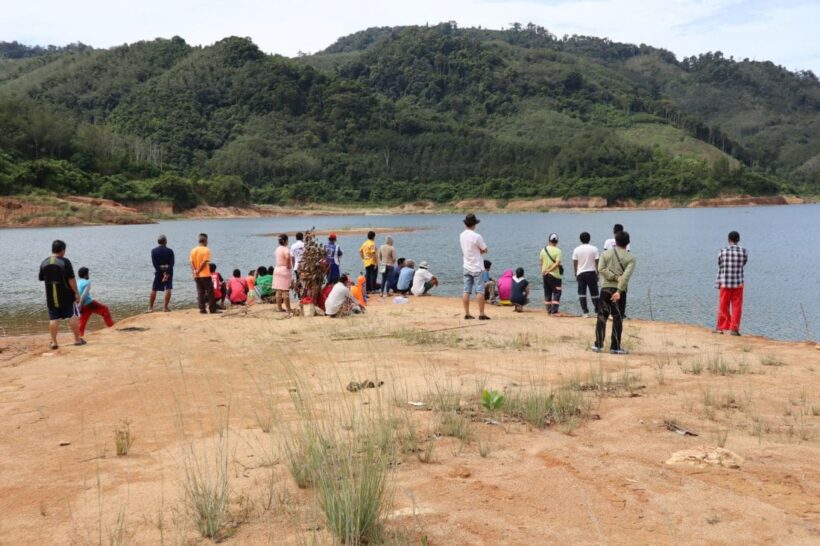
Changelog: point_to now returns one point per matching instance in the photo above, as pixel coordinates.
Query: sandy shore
(616, 475)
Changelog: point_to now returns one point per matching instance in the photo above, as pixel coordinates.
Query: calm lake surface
(676, 254)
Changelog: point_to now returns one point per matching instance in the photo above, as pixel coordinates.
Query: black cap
(470, 220)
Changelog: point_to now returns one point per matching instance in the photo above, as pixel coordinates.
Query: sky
(784, 31)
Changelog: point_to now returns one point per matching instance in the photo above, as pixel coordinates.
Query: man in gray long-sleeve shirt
(615, 266)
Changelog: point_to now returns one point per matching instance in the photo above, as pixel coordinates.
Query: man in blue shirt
(163, 259)
(393, 279)
(406, 277)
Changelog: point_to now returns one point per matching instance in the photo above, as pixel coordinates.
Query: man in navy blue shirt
(163, 259)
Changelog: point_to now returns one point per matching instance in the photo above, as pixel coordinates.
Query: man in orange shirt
(200, 267)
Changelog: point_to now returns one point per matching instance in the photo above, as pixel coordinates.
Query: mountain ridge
(391, 114)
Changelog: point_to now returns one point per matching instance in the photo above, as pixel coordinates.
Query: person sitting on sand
(490, 293)
(88, 306)
(359, 290)
(219, 285)
(405, 282)
(62, 297)
(264, 284)
(519, 290)
(504, 286)
(423, 280)
(237, 289)
(393, 279)
(250, 281)
(340, 302)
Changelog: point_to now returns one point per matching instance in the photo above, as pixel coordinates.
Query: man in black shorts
(62, 297)
(163, 259)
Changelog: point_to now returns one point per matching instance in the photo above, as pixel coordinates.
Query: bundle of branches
(312, 268)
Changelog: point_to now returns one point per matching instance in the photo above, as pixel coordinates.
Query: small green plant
(660, 367)
(695, 367)
(123, 439)
(491, 400)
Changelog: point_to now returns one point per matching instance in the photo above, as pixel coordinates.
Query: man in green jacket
(615, 267)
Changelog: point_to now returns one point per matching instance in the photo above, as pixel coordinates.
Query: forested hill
(401, 114)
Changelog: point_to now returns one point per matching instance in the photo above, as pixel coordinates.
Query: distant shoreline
(52, 211)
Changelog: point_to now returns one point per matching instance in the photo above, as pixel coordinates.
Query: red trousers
(730, 308)
(94, 308)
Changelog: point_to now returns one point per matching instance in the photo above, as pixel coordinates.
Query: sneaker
(716, 331)
(596, 349)
(734, 333)
(585, 315)
(619, 352)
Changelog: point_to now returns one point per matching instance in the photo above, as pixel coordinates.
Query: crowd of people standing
(386, 274)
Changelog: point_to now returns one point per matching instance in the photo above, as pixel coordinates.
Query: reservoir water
(676, 253)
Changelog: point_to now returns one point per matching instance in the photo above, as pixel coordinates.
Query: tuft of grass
(721, 436)
(350, 453)
(123, 439)
(454, 425)
(119, 534)
(771, 360)
(426, 455)
(660, 367)
(696, 367)
(484, 447)
(206, 487)
(541, 407)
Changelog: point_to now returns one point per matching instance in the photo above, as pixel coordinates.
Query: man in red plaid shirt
(731, 262)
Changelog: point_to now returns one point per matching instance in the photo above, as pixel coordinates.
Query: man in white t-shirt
(297, 250)
(608, 245)
(423, 281)
(585, 264)
(340, 302)
(472, 248)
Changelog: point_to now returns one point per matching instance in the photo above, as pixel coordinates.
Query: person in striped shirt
(731, 261)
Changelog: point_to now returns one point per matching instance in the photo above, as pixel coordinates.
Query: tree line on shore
(396, 114)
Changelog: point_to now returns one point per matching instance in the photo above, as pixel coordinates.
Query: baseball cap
(332, 236)
(554, 237)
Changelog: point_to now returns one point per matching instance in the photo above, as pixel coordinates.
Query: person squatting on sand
(731, 261)
(423, 281)
(162, 258)
(472, 248)
(62, 296)
(616, 267)
(340, 302)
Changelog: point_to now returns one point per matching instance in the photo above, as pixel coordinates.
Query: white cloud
(783, 32)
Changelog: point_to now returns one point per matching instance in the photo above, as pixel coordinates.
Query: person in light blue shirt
(406, 277)
(88, 306)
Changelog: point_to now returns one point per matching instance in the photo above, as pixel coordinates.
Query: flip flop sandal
(81, 342)
(468, 317)
(483, 317)
(53, 346)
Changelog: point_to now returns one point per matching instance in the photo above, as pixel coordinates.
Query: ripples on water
(674, 280)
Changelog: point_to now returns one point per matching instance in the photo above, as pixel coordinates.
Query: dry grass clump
(123, 439)
(206, 487)
(346, 457)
